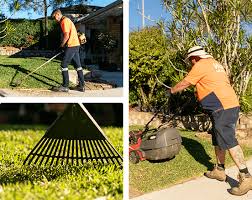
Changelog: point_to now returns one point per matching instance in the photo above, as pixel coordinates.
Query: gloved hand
(61, 49)
(168, 93)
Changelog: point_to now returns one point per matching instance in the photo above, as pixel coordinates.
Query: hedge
(29, 33)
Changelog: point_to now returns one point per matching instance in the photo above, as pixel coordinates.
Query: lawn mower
(156, 144)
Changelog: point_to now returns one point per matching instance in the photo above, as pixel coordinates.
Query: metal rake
(74, 138)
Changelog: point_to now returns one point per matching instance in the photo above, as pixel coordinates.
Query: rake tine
(115, 156)
(93, 150)
(51, 150)
(46, 150)
(81, 151)
(64, 151)
(57, 154)
(115, 153)
(107, 158)
(85, 150)
(32, 151)
(55, 151)
(77, 149)
(98, 151)
(72, 144)
(105, 154)
(41, 149)
(89, 151)
(68, 149)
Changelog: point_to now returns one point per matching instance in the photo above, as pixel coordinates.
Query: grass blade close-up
(60, 182)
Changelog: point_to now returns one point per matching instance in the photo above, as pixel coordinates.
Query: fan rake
(74, 138)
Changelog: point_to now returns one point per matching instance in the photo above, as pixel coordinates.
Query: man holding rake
(71, 45)
(218, 98)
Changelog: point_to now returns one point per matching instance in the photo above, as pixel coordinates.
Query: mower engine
(155, 144)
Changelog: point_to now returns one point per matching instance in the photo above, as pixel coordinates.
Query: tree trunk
(46, 24)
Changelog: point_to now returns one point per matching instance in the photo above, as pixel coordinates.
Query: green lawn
(195, 157)
(62, 182)
(13, 69)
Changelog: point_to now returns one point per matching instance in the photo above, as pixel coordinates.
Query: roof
(113, 9)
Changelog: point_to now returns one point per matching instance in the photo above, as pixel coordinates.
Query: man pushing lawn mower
(71, 45)
(218, 98)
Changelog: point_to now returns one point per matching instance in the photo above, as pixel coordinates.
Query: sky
(152, 9)
(31, 15)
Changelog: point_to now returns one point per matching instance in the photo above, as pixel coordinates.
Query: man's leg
(219, 170)
(220, 156)
(237, 155)
(245, 179)
(77, 65)
(224, 124)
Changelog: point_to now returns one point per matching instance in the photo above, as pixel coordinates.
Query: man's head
(196, 53)
(57, 15)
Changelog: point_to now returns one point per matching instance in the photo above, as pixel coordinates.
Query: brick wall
(8, 51)
(195, 122)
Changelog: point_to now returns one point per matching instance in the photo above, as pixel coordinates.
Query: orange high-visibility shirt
(67, 26)
(212, 84)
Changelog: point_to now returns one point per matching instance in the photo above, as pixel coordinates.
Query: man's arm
(180, 86)
(65, 39)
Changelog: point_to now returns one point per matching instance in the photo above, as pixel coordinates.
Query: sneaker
(217, 173)
(245, 184)
(79, 88)
(60, 89)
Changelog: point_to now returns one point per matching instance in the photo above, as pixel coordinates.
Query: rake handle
(40, 66)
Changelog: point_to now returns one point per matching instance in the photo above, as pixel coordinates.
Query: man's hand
(61, 49)
(180, 86)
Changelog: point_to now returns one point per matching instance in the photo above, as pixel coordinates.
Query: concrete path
(114, 92)
(201, 189)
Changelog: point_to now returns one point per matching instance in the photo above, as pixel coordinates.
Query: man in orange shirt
(71, 45)
(218, 98)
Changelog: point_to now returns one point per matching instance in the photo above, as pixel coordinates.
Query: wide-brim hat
(197, 51)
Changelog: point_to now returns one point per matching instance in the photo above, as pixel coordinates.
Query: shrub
(29, 33)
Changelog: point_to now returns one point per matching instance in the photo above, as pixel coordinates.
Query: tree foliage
(149, 60)
(219, 26)
(41, 6)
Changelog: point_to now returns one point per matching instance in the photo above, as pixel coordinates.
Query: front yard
(13, 69)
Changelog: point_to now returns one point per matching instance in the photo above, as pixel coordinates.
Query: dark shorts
(224, 123)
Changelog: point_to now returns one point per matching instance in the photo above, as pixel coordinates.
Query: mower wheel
(134, 157)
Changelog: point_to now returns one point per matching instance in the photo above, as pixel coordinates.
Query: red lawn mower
(156, 144)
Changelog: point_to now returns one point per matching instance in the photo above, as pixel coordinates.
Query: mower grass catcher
(155, 144)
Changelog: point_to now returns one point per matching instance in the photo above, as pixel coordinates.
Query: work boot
(79, 88)
(217, 173)
(245, 184)
(60, 89)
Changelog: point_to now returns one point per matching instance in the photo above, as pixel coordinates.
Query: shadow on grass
(198, 152)
(161, 161)
(25, 71)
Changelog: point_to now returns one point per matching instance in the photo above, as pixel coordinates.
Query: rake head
(74, 138)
